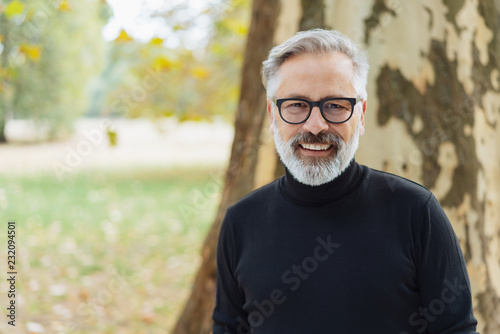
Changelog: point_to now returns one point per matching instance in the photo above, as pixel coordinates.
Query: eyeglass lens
(335, 110)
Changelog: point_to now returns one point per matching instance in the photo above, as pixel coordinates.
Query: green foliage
(152, 80)
(55, 65)
(50, 52)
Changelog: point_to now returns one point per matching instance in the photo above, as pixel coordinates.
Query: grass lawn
(106, 251)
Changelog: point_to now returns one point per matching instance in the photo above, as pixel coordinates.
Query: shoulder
(379, 183)
(250, 211)
(257, 199)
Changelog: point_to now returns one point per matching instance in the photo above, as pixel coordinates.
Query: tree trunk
(196, 317)
(4, 83)
(433, 116)
(2, 128)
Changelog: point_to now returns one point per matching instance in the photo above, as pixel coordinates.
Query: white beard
(315, 171)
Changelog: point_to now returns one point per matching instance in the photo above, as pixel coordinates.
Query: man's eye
(296, 105)
(333, 106)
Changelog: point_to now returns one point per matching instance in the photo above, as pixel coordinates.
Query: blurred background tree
(60, 62)
(54, 71)
(48, 61)
(190, 82)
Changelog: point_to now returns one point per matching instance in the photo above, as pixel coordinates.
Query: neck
(322, 194)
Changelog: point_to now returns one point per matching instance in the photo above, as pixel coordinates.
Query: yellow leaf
(190, 116)
(162, 63)
(178, 27)
(199, 72)
(33, 52)
(64, 6)
(242, 30)
(184, 118)
(156, 41)
(168, 113)
(2, 38)
(14, 8)
(112, 137)
(123, 37)
(235, 26)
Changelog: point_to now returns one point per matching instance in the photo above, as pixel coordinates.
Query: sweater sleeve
(228, 316)
(442, 276)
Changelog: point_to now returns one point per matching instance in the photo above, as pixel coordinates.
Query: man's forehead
(317, 75)
(334, 60)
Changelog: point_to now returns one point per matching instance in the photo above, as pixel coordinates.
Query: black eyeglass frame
(319, 104)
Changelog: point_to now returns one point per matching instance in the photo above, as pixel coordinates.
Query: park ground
(108, 238)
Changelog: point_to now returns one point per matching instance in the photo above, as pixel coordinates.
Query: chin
(309, 160)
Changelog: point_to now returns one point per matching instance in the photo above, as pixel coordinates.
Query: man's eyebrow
(296, 96)
(299, 96)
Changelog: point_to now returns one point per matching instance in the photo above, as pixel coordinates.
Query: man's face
(316, 142)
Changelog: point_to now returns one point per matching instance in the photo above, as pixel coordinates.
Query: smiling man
(332, 246)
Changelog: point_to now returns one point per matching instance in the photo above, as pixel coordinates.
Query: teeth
(316, 147)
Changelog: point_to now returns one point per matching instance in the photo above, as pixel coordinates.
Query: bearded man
(333, 246)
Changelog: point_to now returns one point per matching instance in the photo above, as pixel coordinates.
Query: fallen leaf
(83, 295)
(34, 327)
(147, 318)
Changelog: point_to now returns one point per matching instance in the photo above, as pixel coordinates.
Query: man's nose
(315, 123)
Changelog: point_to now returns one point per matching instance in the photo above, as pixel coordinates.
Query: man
(332, 246)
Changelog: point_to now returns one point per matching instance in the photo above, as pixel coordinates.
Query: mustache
(320, 138)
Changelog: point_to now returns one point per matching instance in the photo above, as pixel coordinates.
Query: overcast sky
(131, 15)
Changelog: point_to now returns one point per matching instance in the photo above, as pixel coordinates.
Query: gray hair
(316, 41)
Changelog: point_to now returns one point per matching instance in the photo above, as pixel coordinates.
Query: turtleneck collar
(314, 196)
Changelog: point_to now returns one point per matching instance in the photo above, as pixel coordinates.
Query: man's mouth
(316, 147)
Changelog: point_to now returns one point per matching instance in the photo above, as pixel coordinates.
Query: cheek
(287, 131)
(350, 129)
(344, 132)
(287, 134)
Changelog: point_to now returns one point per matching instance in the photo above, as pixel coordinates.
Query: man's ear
(362, 128)
(270, 107)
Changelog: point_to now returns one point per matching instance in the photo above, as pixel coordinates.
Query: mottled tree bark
(433, 116)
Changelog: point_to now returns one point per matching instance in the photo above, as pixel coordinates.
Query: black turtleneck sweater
(367, 253)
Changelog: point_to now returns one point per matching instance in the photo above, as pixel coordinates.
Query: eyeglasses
(334, 110)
